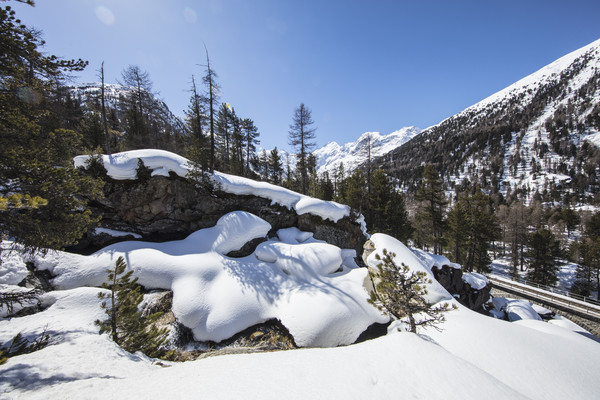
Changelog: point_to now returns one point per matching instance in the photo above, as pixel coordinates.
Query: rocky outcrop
(451, 279)
(163, 208)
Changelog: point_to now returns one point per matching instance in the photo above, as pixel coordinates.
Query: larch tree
(212, 98)
(301, 136)
(103, 107)
(137, 121)
(196, 149)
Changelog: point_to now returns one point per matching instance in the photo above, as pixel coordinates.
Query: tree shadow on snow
(21, 377)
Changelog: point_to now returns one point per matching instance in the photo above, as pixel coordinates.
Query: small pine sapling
(128, 326)
(20, 345)
(400, 293)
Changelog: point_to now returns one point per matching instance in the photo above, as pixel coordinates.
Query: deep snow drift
(315, 289)
(473, 355)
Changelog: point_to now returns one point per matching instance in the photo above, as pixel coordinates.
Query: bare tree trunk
(104, 122)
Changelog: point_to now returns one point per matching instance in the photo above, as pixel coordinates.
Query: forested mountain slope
(541, 134)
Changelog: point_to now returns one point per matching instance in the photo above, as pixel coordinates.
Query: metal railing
(549, 297)
(552, 289)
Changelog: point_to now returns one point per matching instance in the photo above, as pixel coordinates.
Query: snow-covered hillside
(539, 134)
(353, 154)
(116, 96)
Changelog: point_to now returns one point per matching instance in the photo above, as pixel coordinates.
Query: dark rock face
(451, 279)
(169, 208)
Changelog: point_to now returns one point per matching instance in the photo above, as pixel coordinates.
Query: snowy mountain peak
(352, 154)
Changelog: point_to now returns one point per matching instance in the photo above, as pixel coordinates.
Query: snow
(539, 77)
(471, 355)
(538, 364)
(352, 154)
(475, 280)
(404, 255)
(315, 289)
(517, 309)
(116, 233)
(123, 166)
(13, 265)
(594, 138)
(434, 260)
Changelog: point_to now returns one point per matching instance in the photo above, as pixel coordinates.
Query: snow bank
(434, 260)
(475, 280)
(13, 266)
(504, 360)
(315, 289)
(398, 366)
(537, 359)
(435, 291)
(473, 354)
(123, 166)
(520, 309)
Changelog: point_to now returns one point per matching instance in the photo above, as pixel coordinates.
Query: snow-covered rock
(123, 166)
(315, 289)
(517, 309)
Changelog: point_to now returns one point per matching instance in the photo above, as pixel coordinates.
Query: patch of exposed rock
(170, 208)
(451, 279)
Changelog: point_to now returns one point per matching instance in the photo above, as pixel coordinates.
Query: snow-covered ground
(315, 289)
(567, 273)
(473, 355)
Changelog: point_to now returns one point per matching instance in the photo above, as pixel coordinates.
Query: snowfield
(472, 355)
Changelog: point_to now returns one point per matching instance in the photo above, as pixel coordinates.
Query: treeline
(536, 238)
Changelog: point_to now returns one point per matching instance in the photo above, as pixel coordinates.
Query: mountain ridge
(529, 137)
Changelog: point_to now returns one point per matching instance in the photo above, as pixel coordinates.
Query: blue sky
(358, 65)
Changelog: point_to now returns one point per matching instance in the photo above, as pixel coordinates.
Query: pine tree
(399, 292)
(224, 131)
(137, 120)
(250, 135)
(275, 167)
(42, 197)
(483, 229)
(544, 250)
(430, 218)
(237, 145)
(128, 326)
(457, 233)
(355, 191)
(301, 135)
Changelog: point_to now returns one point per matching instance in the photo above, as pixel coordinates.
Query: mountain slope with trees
(537, 138)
